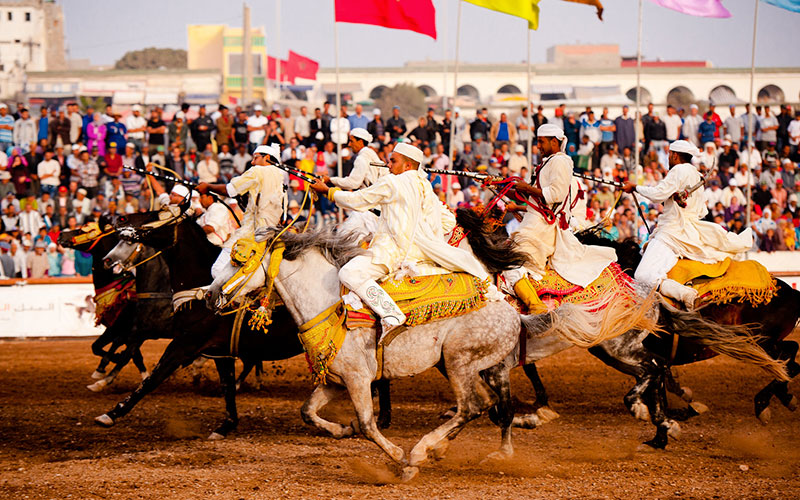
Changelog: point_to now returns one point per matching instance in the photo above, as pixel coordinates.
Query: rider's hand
(202, 188)
(319, 186)
(629, 187)
(326, 179)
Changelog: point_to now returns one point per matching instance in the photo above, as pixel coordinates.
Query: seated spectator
(38, 263)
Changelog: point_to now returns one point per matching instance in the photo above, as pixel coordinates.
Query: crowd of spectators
(66, 166)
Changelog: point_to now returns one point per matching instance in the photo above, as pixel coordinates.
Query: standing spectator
(673, 124)
(240, 133)
(751, 157)
(784, 119)
(42, 125)
(518, 161)
(96, 133)
(208, 169)
(242, 159)
(746, 125)
(224, 133)
(75, 122)
(479, 125)
(572, 128)
(459, 129)
(558, 118)
(707, 130)
(340, 128)
(136, 125)
(538, 120)
(178, 131)
(201, 129)
(358, 119)
(691, 126)
(525, 128)
(257, 127)
(396, 124)
(714, 118)
(87, 119)
(6, 128)
(108, 116)
(302, 128)
(116, 132)
(624, 134)
(793, 129)
(769, 127)
(156, 128)
(225, 161)
(25, 131)
(319, 128)
(377, 128)
(607, 129)
(288, 121)
(733, 126)
(30, 220)
(59, 129)
(49, 172)
(504, 132)
(88, 172)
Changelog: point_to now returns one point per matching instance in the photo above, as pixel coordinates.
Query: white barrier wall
(47, 310)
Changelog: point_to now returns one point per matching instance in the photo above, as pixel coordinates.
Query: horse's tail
(588, 324)
(494, 249)
(734, 341)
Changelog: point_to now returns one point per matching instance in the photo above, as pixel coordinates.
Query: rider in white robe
(410, 237)
(363, 175)
(548, 238)
(680, 233)
(264, 184)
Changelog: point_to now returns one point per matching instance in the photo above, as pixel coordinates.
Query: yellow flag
(526, 9)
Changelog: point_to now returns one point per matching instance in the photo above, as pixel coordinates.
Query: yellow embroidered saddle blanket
(111, 300)
(427, 298)
(726, 281)
(554, 290)
(422, 299)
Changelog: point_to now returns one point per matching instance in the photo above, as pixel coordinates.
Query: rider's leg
(223, 260)
(523, 289)
(656, 262)
(359, 275)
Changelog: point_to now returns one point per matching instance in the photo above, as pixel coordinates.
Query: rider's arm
(668, 186)
(356, 177)
(362, 200)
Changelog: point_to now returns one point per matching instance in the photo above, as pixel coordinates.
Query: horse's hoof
(215, 436)
(687, 394)
(409, 473)
(547, 414)
(765, 416)
(98, 375)
(355, 426)
(640, 411)
(104, 420)
(97, 386)
(698, 407)
(530, 421)
(792, 404)
(673, 429)
(144, 375)
(496, 456)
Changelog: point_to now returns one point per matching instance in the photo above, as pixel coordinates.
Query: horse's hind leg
(498, 378)
(542, 411)
(786, 350)
(674, 387)
(247, 367)
(227, 376)
(383, 388)
(138, 361)
(322, 395)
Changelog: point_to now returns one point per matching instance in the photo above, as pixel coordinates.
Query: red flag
(301, 67)
(414, 15)
(272, 71)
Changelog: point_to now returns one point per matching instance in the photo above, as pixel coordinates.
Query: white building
(31, 39)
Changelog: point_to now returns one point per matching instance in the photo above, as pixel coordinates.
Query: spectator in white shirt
(769, 126)
(713, 194)
(733, 126)
(750, 156)
(30, 220)
(455, 196)
(673, 123)
(49, 171)
(241, 159)
(518, 160)
(302, 127)
(208, 169)
(691, 125)
(730, 192)
(340, 128)
(257, 127)
(136, 125)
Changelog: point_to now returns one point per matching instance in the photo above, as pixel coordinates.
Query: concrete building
(31, 39)
(218, 47)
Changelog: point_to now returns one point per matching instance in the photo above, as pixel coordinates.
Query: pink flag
(703, 8)
(414, 15)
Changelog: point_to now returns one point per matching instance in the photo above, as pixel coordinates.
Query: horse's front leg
(322, 395)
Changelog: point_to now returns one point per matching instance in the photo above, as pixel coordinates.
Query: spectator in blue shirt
(87, 119)
(43, 125)
(358, 120)
(115, 132)
(6, 128)
(707, 129)
(607, 129)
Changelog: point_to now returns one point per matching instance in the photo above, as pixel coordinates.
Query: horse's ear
(185, 204)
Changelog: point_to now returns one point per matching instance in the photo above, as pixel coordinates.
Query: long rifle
(459, 173)
(189, 184)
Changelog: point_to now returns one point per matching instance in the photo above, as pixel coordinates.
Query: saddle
(726, 281)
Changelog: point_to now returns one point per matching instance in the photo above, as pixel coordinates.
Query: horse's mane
(337, 248)
(491, 245)
(628, 251)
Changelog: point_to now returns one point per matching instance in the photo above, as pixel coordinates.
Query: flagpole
(529, 104)
(750, 116)
(278, 48)
(455, 86)
(444, 65)
(637, 115)
(338, 100)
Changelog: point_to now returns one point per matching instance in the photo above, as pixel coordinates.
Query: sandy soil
(51, 447)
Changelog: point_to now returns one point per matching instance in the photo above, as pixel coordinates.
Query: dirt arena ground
(51, 447)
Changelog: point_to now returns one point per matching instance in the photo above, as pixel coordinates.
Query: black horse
(139, 319)
(198, 331)
(770, 324)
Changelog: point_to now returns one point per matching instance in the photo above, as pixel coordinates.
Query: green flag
(526, 9)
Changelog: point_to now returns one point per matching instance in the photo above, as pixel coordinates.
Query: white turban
(550, 130)
(270, 151)
(409, 151)
(360, 133)
(684, 147)
(180, 190)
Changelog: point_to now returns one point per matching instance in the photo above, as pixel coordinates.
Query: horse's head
(156, 229)
(86, 236)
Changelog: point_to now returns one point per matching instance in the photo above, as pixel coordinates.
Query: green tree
(97, 103)
(410, 99)
(153, 58)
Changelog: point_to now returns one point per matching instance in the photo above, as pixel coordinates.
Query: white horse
(478, 343)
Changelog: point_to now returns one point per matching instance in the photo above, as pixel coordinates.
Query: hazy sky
(104, 30)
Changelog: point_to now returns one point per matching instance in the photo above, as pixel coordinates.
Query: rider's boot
(523, 289)
(682, 293)
(382, 304)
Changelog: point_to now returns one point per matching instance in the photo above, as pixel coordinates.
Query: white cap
(136, 107)
(269, 151)
(684, 147)
(693, 106)
(180, 190)
(457, 110)
(520, 148)
(733, 182)
(181, 115)
(455, 185)
(276, 107)
(726, 143)
(257, 107)
(709, 144)
(130, 145)
(360, 133)
(409, 151)
(3, 105)
(793, 198)
(550, 130)
(294, 204)
(345, 152)
(5, 174)
(376, 112)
